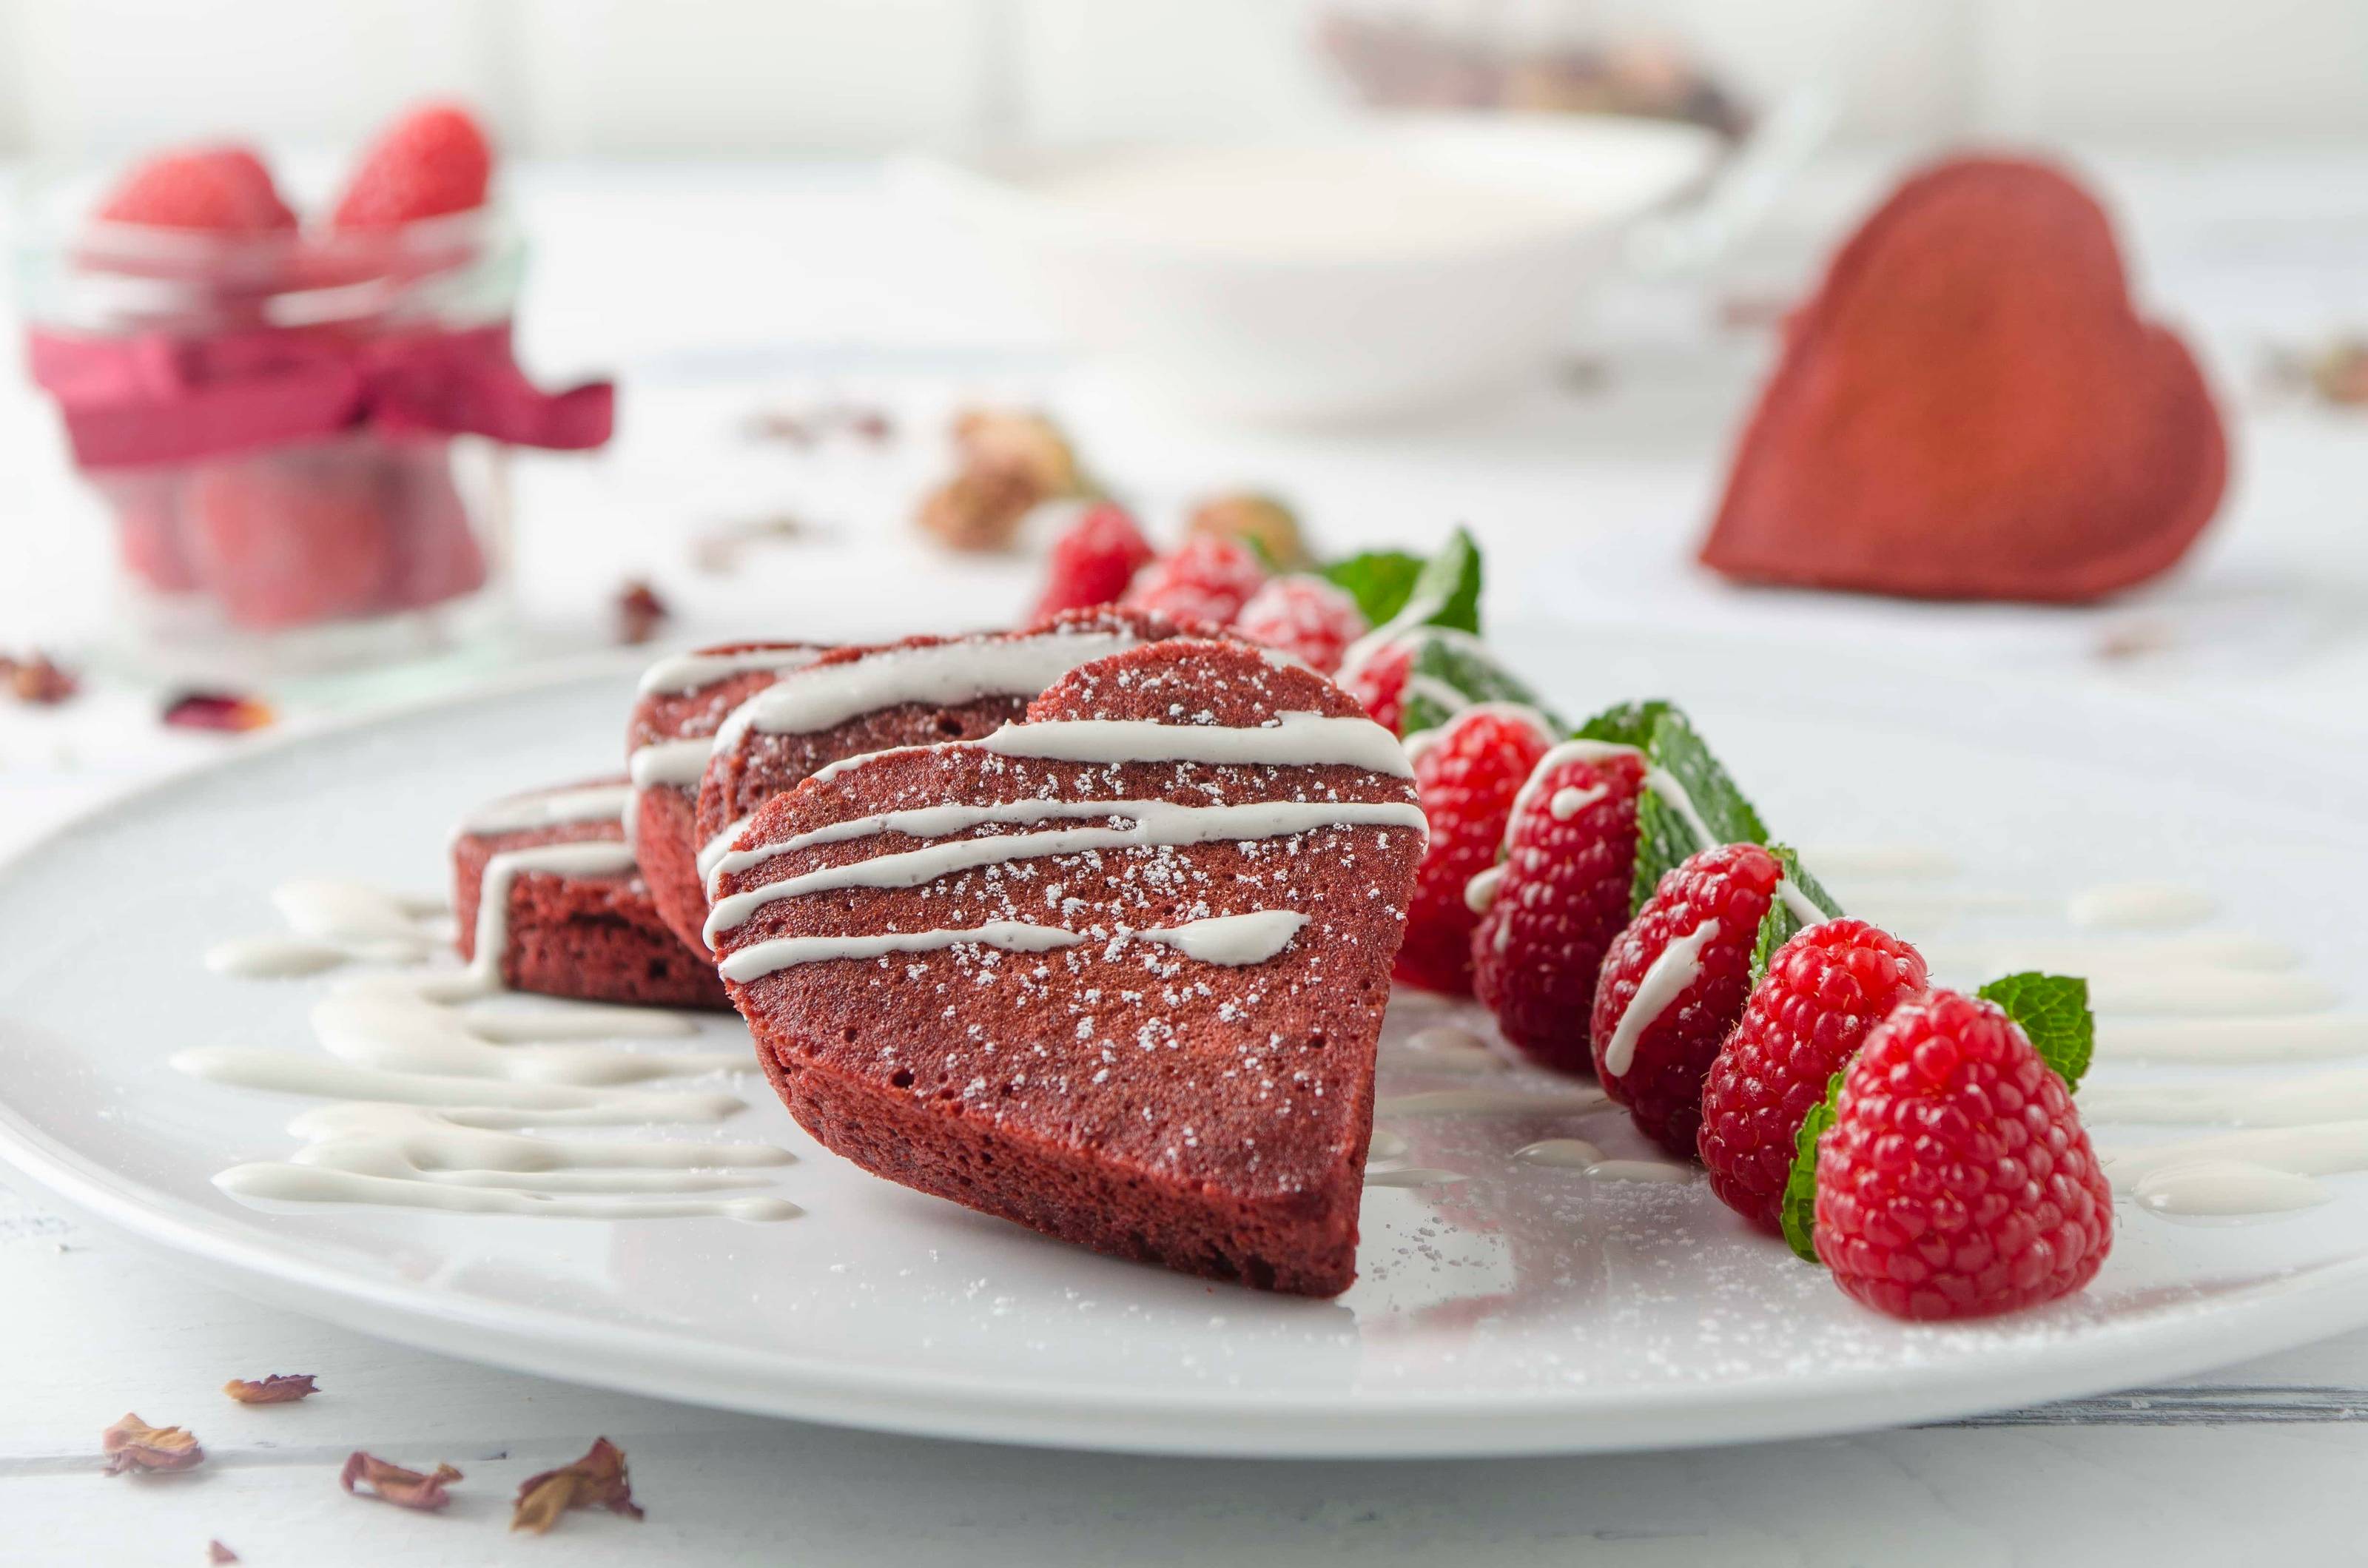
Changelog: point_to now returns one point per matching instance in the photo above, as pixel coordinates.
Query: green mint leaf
(1629, 724)
(1450, 671)
(1380, 581)
(1782, 921)
(1665, 832)
(1800, 1212)
(1447, 591)
(2052, 1010)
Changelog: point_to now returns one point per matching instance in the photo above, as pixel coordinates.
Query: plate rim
(2172, 1340)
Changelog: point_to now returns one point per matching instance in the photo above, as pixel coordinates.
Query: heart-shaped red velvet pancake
(1115, 972)
(1971, 408)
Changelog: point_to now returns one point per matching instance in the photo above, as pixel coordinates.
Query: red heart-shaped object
(1972, 408)
(1115, 973)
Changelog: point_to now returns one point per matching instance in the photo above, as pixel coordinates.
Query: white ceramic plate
(1523, 1310)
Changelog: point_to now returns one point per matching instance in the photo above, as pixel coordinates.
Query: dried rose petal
(2339, 372)
(781, 424)
(979, 508)
(871, 425)
(598, 1480)
(218, 1554)
(1022, 442)
(280, 1387)
(132, 1444)
(1268, 526)
(392, 1483)
(1756, 312)
(217, 711)
(37, 679)
(718, 550)
(639, 612)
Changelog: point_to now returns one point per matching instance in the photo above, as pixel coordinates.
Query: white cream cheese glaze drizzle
(1508, 1101)
(1290, 740)
(1560, 1154)
(1230, 940)
(1414, 1176)
(760, 959)
(1154, 824)
(413, 1158)
(679, 675)
(2221, 1189)
(679, 763)
(1665, 980)
(2237, 1173)
(334, 922)
(551, 808)
(274, 958)
(441, 1090)
(964, 670)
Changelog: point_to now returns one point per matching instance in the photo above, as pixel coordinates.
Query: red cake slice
(684, 701)
(917, 692)
(1115, 973)
(546, 883)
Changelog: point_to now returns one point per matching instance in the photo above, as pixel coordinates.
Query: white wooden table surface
(713, 291)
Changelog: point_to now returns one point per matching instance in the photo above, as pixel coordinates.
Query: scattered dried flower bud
(2339, 372)
(217, 711)
(280, 1387)
(218, 1554)
(132, 1444)
(1762, 312)
(1022, 442)
(598, 1480)
(640, 612)
(807, 426)
(718, 550)
(1265, 524)
(979, 508)
(37, 679)
(1582, 375)
(782, 425)
(392, 1483)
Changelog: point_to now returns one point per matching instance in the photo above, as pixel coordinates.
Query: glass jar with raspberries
(298, 425)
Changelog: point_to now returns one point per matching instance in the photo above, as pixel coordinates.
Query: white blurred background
(565, 78)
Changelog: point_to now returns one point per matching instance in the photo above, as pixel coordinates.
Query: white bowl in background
(1409, 263)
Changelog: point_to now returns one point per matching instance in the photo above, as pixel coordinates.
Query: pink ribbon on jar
(152, 398)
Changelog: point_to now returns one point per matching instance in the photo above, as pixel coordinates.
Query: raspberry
(1956, 1180)
(292, 536)
(1557, 899)
(1823, 991)
(147, 505)
(1466, 774)
(1094, 560)
(1379, 681)
(1682, 966)
(1305, 616)
(432, 161)
(437, 556)
(218, 189)
(1207, 579)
